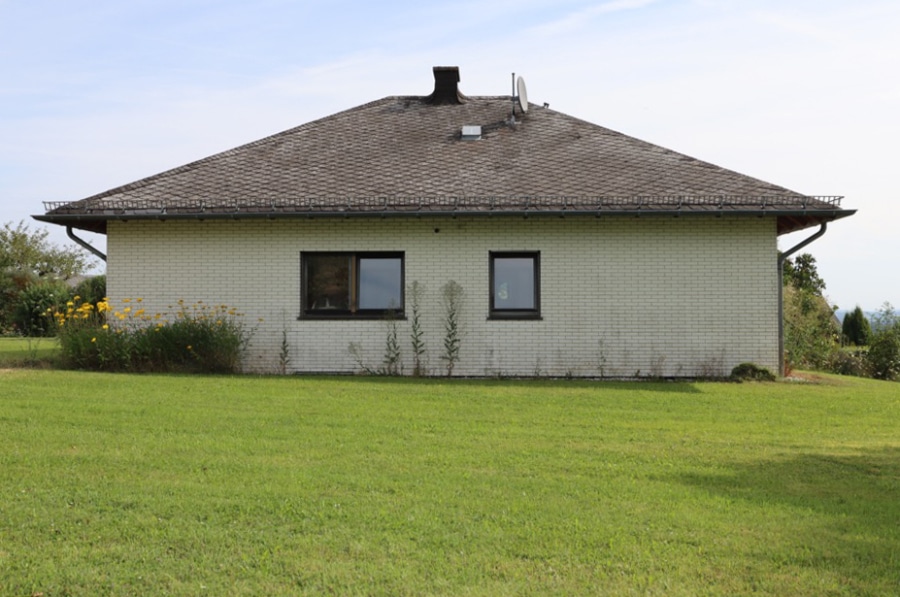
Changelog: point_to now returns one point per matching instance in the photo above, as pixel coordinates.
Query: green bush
(883, 357)
(848, 362)
(811, 334)
(9, 291)
(199, 338)
(751, 372)
(33, 303)
(92, 290)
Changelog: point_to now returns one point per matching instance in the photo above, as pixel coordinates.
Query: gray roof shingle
(402, 155)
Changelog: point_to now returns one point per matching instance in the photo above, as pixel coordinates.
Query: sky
(801, 93)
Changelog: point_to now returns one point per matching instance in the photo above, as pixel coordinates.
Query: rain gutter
(86, 245)
(238, 215)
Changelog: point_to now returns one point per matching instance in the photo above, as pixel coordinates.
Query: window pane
(328, 282)
(514, 283)
(380, 283)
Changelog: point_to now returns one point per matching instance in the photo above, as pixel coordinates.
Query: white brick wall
(619, 296)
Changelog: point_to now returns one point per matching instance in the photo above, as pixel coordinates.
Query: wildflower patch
(188, 338)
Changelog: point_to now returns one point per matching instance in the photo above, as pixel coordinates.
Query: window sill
(515, 317)
(351, 317)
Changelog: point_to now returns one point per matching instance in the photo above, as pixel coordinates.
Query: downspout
(782, 257)
(83, 243)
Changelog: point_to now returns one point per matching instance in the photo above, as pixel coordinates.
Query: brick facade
(620, 296)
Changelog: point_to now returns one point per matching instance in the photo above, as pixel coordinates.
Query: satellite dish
(523, 94)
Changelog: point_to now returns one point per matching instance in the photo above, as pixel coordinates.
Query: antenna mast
(512, 96)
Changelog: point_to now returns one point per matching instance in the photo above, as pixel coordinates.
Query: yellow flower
(105, 326)
(93, 339)
(140, 300)
(189, 347)
(126, 310)
(139, 312)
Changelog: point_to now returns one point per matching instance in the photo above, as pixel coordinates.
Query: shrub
(751, 372)
(92, 290)
(883, 358)
(810, 332)
(8, 293)
(32, 304)
(199, 338)
(848, 362)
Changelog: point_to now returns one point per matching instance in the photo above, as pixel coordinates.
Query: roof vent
(446, 90)
(471, 132)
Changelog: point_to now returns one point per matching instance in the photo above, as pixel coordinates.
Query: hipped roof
(406, 156)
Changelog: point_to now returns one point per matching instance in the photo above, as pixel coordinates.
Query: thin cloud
(582, 18)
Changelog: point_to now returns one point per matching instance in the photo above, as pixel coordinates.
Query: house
(580, 251)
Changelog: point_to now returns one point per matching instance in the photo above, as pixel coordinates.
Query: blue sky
(800, 93)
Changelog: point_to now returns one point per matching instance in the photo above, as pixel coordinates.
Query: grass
(180, 485)
(27, 352)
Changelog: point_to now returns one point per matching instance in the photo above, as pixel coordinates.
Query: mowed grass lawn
(16, 352)
(181, 485)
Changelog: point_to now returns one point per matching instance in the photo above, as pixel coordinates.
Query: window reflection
(514, 283)
(380, 283)
(328, 282)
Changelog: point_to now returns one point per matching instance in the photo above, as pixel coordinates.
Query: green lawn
(18, 352)
(179, 485)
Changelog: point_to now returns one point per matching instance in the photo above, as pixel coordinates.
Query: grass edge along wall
(616, 296)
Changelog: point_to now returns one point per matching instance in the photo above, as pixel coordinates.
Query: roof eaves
(789, 219)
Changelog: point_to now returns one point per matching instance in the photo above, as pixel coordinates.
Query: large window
(352, 284)
(515, 285)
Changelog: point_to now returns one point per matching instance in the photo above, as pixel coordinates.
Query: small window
(352, 284)
(515, 285)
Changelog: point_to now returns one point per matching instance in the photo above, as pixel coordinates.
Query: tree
(803, 274)
(856, 329)
(27, 252)
(28, 259)
(811, 332)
